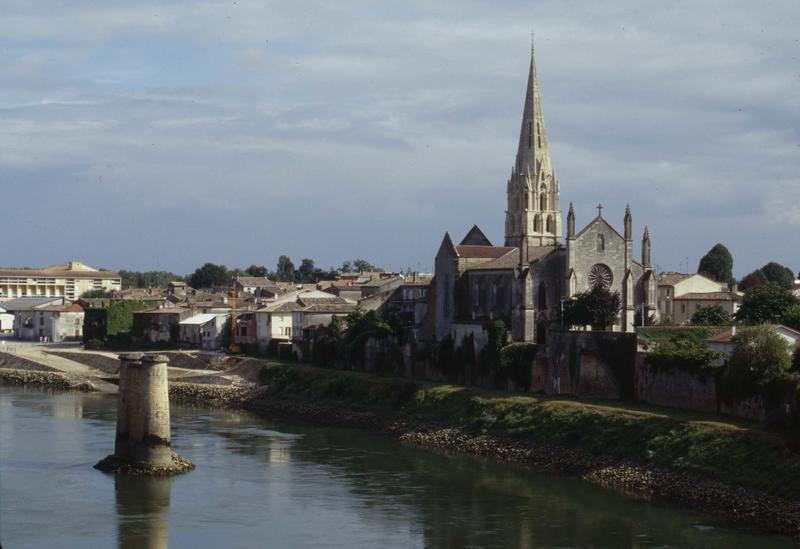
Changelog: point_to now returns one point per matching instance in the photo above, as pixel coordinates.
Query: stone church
(525, 280)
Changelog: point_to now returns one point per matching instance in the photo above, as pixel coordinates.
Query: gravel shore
(48, 380)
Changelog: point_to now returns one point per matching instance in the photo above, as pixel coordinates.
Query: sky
(162, 135)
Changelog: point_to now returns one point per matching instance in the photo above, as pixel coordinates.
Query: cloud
(368, 129)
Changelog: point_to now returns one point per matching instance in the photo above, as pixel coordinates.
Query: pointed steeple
(646, 248)
(628, 223)
(533, 211)
(571, 222)
(532, 152)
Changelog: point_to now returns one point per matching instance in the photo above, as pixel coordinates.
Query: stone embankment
(44, 379)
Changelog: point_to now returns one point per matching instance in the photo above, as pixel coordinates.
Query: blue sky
(168, 134)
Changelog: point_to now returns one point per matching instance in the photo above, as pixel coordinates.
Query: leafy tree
(209, 276)
(715, 315)
(791, 317)
(147, 279)
(598, 308)
(307, 272)
(95, 294)
(766, 303)
(760, 356)
(717, 264)
(347, 267)
(256, 270)
(682, 351)
(778, 274)
(361, 265)
(756, 278)
(285, 271)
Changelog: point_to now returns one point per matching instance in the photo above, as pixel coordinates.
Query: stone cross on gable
(600, 210)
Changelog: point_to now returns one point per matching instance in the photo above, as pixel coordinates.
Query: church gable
(475, 237)
(447, 249)
(599, 257)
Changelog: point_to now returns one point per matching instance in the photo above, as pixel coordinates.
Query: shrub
(760, 358)
(516, 360)
(713, 315)
(683, 351)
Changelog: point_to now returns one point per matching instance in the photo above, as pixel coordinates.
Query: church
(524, 281)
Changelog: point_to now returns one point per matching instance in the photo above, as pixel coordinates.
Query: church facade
(525, 280)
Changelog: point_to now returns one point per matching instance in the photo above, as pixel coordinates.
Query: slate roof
(482, 252)
(199, 320)
(26, 303)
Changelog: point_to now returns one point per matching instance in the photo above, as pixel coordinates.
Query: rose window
(600, 276)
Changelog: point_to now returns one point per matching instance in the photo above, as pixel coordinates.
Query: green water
(262, 483)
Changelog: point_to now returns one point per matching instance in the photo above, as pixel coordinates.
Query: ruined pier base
(142, 445)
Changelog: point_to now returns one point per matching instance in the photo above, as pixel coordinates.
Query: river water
(262, 483)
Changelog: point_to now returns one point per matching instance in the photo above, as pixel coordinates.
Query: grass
(734, 451)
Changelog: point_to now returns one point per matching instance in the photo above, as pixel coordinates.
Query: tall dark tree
(717, 264)
(306, 272)
(210, 275)
(778, 274)
(285, 271)
(256, 270)
(765, 303)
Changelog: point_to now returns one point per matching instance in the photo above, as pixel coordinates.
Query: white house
(680, 295)
(6, 320)
(724, 341)
(55, 323)
(203, 330)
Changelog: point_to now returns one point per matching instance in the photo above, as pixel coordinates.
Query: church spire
(532, 152)
(534, 211)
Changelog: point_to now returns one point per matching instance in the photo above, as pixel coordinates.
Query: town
(563, 347)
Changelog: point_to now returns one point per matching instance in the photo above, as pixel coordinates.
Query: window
(601, 243)
(537, 224)
(550, 225)
(494, 296)
(476, 295)
(543, 202)
(446, 296)
(542, 301)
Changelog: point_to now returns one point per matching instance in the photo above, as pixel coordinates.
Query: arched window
(493, 297)
(476, 295)
(537, 224)
(550, 224)
(601, 243)
(543, 202)
(542, 301)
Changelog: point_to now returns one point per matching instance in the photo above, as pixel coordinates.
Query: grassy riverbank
(729, 452)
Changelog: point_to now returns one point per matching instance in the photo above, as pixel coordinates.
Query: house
(69, 280)
(159, 325)
(259, 286)
(203, 330)
(680, 295)
(410, 302)
(274, 322)
(53, 323)
(6, 320)
(723, 342)
(357, 286)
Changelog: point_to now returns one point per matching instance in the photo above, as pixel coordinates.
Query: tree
(209, 276)
(306, 272)
(147, 279)
(95, 294)
(778, 274)
(759, 357)
(717, 264)
(756, 278)
(361, 266)
(714, 315)
(257, 270)
(347, 267)
(285, 271)
(766, 303)
(598, 308)
(791, 317)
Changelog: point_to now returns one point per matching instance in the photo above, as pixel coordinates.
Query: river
(263, 483)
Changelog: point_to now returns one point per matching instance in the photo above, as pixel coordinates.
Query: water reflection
(142, 511)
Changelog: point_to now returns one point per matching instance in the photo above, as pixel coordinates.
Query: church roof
(507, 261)
(482, 252)
(475, 236)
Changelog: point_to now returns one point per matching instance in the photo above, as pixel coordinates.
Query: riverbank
(745, 476)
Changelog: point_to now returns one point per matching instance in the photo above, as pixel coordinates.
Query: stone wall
(675, 388)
